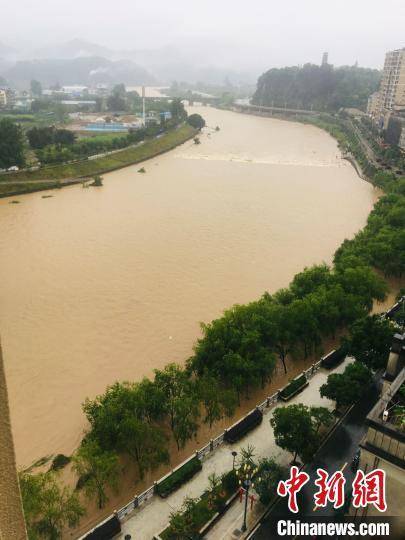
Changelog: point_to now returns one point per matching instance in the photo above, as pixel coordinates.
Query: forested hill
(322, 87)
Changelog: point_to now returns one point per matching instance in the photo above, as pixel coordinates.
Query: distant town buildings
(7, 98)
(325, 59)
(3, 99)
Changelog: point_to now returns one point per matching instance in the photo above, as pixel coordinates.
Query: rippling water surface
(108, 283)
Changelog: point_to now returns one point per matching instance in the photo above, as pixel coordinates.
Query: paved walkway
(155, 515)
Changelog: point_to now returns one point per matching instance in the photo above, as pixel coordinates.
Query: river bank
(129, 481)
(118, 284)
(73, 173)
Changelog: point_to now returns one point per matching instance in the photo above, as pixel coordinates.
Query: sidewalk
(153, 517)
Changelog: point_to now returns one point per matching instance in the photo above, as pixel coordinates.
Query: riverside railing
(140, 500)
(269, 402)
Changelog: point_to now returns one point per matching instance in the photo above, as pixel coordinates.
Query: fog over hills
(82, 62)
(73, 48)
(82, 70)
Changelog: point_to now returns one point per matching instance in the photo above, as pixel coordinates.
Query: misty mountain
(6, 53)
(75, 48)
(87, 70)
(166, 64)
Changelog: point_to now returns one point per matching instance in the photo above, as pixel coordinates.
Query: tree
(99, 467)
(320, 87)
(281, 331)
(177, 109)
(107, 412)
(186, 413)
(39, 137)
(268, 476)
(296, 431)
(151, 401)
(11, 144)
(347, 387)
(310, 279)
(144, 442)
(196, 121)
(48, 507)
(117, 100)
(321, 416)
(218, 402)
(174, 384)
(369, 341)
(64, 137)
(36, 88)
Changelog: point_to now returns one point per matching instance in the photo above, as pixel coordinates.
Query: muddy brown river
(105, 284)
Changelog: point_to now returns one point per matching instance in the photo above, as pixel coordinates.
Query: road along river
(105, 284)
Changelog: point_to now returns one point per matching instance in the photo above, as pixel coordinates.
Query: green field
(48, 177)
(101, 137)
(29, 120)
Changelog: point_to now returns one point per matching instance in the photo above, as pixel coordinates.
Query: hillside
(320, 87)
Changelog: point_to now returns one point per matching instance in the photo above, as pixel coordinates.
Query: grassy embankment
(59, 175)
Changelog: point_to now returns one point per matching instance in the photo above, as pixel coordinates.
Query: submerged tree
(48, 507)
(99, 467)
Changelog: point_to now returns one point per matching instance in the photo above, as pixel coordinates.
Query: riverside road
(336, 454)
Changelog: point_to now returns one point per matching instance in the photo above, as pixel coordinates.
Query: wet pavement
(336, 454)
(155, 515)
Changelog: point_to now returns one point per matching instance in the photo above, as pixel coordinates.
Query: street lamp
(246, 473)
(234, 454)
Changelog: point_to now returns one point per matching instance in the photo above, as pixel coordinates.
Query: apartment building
(373, 104)
(391, 95)
(3, 98)
(383, 446)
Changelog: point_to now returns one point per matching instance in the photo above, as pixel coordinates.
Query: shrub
(59, 462)
(230, 482)
(82, 481)
(334, 358)
(196, 121)
(196, 513)
(178, 477)
(240, 429)
(108, 529)
(98, 181)
(293, 387)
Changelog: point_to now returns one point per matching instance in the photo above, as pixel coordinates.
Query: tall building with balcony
(383, 446)
(392, 87)
(3, 98)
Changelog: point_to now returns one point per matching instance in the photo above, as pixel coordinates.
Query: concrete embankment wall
(12, 525)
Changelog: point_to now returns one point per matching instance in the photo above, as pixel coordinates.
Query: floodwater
(106, 284)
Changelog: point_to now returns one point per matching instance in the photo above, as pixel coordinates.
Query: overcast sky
(234, 33)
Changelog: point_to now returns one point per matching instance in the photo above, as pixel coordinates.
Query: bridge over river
(270, 111)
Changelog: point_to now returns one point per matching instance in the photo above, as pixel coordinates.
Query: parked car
(355, 461)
